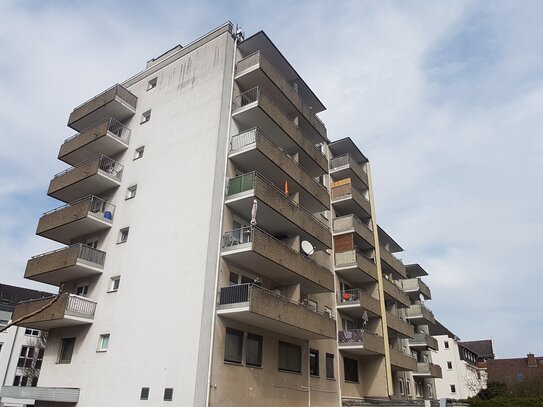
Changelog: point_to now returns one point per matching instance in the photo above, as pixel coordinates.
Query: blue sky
(445, 98)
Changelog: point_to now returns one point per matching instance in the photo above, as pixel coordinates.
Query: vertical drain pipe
(228, 134)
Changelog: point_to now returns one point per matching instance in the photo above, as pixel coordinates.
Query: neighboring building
(21, 349)
(220, 249)
(464, 374)
(512, 371)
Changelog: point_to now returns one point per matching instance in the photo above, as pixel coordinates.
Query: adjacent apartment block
(219, 249)
(516, 370)
(21, 349)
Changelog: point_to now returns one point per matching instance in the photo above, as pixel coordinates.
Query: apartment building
(218, 248)
(21, 349)
(462, 363)
(516, 370)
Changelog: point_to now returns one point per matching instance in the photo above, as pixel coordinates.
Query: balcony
(69, 310)
(256, 69)
(78, 218)
(360, 342)
(348, 200)
(355, 302)
(256, 108)
(345, 166)
(427, 369)
(414, 287)
(355, 267)
(254, 150)
(395, 293)
(257, 306)
(391, 264)
(66, 264)
(254, 249)
(400, 361)
(277, 212)
(401, 328)
(107, 137)
(116, 102)
(55, 395)
(94, 176)
(423, 341)
(418, 314)
(363, 235)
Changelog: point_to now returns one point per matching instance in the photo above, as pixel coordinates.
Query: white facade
(461, 379)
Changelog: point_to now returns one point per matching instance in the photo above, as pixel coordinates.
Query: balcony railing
(80, 306)
(114, 127)
(250, 136)
(254, 59)
(241, 293)
(95, 206)
(353, 336)
(238, 236)
(87, 253)
(254, 95)
(345, 159)
(127, 96)
(247, 182)
(106, 164)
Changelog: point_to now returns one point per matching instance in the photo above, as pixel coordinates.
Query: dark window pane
(24, 380)
(66, 350)
(329, 366)
(21, 362)
(38, 364)
(168, 394)
(144, 393)
(34, 382)
(28, 363)
(30, 353)
(313, 362)
(24, 350)
(16, 380)
(290, 357)
(253, 351)
(233, 278)
(351, 369)
(233, 346)
(40, 355)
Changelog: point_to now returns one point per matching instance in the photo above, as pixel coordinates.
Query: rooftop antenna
(239, 34)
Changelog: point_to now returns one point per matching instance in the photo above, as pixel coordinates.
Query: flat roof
(347, 145)
(261, 42)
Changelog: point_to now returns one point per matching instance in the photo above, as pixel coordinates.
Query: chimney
(531, 360)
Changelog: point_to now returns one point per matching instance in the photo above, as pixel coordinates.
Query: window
(400, 386)
(446, 343)
(82, 289)
(329, 366)
(103, 343)
(152, 84)
(430, 391)
(66, 350)
(408, 387)
(17, 380)
(32, 332)
(520, 377)
(233, 346)
(290, 357)
(144, 395)
(93, 243)
(312, 305)
(145, 117)
(114, 283)
(30, 357)
(5, 316)
(418, 389)
(350, 367)
(138, 153)
(168, 394)
(131, 192)
(327, 311)
(313, 362)
(253, 350)
(123, 235)
(449, 365)
(453, 388)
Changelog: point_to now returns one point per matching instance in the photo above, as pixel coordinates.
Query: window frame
(138, 153)
(314, 370)
(112, 281)
(146, 117)
(352, 363)
(151, 84)
(330, 364)
(131, 192)
(168, 394)
(144, 393)
(239, 334)
(284, 359)
(259, 340)
(452, 388)
(103, 339)
(63, 343)
(123, 235)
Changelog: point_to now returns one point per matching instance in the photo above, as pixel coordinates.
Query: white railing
(78, 306)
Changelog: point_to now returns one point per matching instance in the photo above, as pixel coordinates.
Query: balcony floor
(109, 145)
(94, 184)
(56, 277)
(117, 109)
(81, 227)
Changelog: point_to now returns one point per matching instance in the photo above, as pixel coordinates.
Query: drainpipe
(230, 99)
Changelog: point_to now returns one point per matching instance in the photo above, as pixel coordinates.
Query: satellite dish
(421, 297)
(307, 247)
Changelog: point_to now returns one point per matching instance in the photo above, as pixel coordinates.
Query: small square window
(139, 152)
(144, 395)
(103, 343)
(32, 332)
(152, 84)
(123, 235)
(446, 343)
(131, 192)
(168, 394)
(114, 283)
(453, 388)
(66, 350)
(449, 365)
(145, 117)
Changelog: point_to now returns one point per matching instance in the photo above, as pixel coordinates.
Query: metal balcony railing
(120, 90)
(114, 127)
(344, 159)
(251, 136)
(254, 58)
(106, 164)
(87, 253)
(96, 206)
(255, 94)
(246, 182)
(241, 293)
(237, 236)
(353, 336)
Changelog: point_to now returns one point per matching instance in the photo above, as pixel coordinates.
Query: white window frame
(138, 152)
(123, 235)
(112, 281)
(145, 116)
(152, 83)
(103, 342)
(400, 386)
(131, 192)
